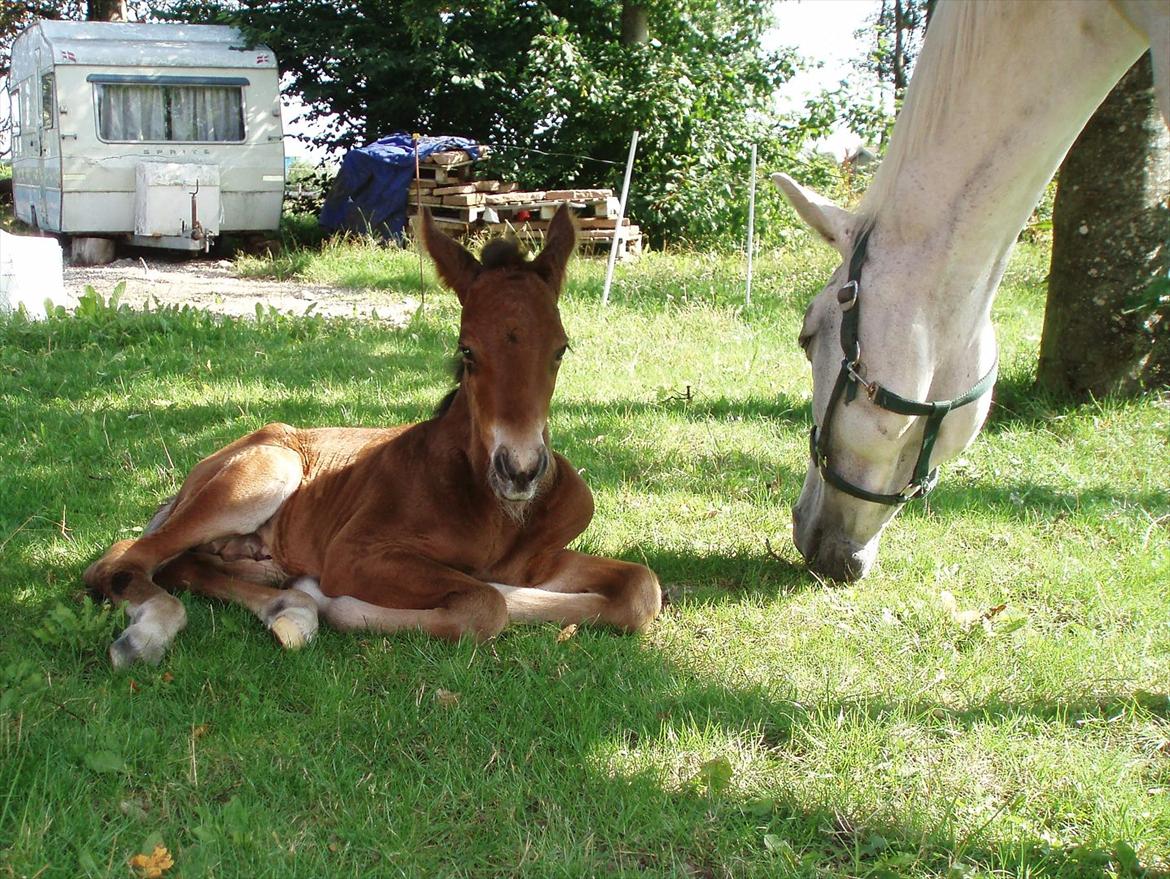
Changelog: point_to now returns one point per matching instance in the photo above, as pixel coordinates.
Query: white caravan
(165, 135)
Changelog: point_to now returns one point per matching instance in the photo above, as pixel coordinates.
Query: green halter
(924, 479)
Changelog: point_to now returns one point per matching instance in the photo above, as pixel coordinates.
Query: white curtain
(132, 112)
(171, 113)
(206, 114)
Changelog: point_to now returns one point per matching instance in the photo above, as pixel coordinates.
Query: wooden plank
(514, 197)
(447, 212)
(600, 222)
(448, 158)
(486, 185)
(608, 208)
(578, 194)
(412, 198)
(457, 189)
(443, 176)
(467, 200)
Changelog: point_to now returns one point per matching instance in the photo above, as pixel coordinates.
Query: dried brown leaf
(153, 865)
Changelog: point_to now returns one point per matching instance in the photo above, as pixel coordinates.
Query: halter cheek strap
(849, 380)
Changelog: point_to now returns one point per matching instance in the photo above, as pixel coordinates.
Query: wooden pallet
(589, 239)
(463, 206)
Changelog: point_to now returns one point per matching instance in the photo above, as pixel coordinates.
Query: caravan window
(200, 109)
(48, 116)
(15, 114)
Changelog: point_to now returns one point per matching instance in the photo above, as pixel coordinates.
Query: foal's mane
(956, 49)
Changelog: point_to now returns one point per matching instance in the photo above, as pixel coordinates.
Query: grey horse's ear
(455, 265)
(832, 223)
(559, 242)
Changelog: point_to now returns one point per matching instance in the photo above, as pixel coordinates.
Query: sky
(820, 30)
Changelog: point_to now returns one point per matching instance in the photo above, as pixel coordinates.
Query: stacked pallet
(463, 205)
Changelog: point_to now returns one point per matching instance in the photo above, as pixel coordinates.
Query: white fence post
(613, 249)
(751, 225)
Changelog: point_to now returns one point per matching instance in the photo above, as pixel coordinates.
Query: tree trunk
(1110, 244)
(899, 59)
(105, 10)
(635, 24)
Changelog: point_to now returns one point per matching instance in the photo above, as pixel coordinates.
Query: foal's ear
(832, 223)
(558, 247)
(455, 265)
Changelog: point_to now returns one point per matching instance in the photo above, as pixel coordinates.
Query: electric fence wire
(789, 160)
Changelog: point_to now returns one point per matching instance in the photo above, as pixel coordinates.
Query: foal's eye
(805, 340)
(466, 353)
(561, 352)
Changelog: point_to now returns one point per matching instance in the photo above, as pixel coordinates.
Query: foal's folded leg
(571, 587)
(290, 615)
(396, 591)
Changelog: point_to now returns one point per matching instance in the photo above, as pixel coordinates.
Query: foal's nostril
(541, 464)
(502, 464)
(506, 469)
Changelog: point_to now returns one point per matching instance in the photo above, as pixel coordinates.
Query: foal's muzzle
(516, 477)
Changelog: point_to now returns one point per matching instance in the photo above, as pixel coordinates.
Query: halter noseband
(849, 379)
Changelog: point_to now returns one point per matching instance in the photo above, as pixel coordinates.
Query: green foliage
(20, 681)
(894, 34)
(82, 628)
(552, 87)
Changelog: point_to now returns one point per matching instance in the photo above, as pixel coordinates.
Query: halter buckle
(847, 295)
(851, 368)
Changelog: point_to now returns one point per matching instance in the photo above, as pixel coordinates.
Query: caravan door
(49, 197)
(26, 157)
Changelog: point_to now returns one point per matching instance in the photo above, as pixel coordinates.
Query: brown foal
(454, 526)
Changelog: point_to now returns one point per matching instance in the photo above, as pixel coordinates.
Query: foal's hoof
(292, 618)
(137, 644)
(294, 628)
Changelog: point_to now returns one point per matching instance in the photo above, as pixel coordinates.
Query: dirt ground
(211, 284)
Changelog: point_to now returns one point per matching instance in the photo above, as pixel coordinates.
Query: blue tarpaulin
(369, 193)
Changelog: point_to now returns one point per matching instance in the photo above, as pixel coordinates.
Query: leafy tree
(895, 37)
(571, 78)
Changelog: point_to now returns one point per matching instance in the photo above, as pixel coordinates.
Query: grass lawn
(768, 725)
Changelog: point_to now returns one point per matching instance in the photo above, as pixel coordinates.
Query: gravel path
(211, 284)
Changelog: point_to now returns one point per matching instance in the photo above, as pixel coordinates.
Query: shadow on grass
(1027, 501)
(544, 726)
(1020, 403)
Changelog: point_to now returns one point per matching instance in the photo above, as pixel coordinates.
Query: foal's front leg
(388, 590)
(571, 587)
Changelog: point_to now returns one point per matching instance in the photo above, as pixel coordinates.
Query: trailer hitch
(197, 231)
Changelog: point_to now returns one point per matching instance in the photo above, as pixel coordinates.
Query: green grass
(768, 725)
